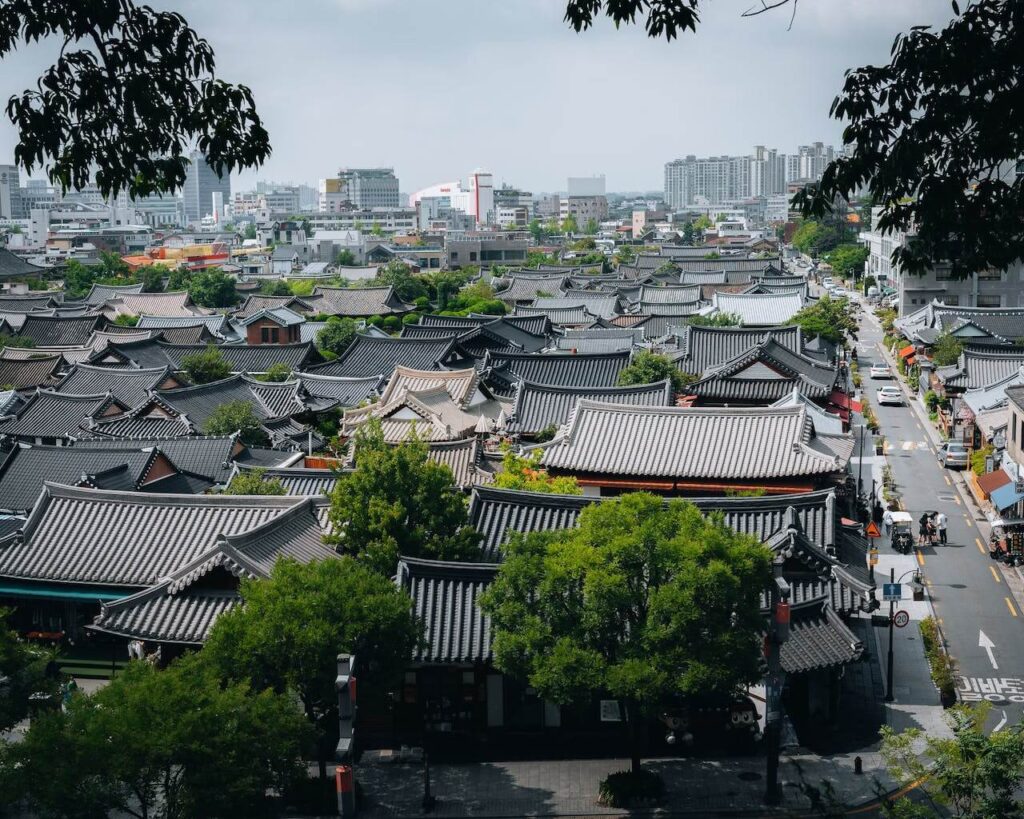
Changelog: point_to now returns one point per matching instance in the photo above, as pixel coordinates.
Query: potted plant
(880, 445)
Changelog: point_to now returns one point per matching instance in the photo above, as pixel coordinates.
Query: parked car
(879, 371)
(872, 291)
(954, 453)
(890, 395)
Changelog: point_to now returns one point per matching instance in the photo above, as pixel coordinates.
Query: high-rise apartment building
(368, 187)
(10, 193)
(201, 183)
(585, 185)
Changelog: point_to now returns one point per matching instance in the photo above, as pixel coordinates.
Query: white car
(879, 371)
(890, 395)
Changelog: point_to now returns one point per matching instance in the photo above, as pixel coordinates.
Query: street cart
(1006, 543)
(901, 532)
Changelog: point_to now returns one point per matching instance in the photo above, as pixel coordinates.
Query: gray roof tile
(538, 406)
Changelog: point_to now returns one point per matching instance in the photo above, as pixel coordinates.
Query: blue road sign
(892, 591)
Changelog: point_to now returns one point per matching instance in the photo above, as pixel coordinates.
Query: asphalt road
(971, 593)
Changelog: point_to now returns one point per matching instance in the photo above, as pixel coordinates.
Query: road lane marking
(995, 574)
(957, 499)
(985, 642)
(920, 558)
(1002, 722)
(980, 547)
(1009, 605)
(947, 480)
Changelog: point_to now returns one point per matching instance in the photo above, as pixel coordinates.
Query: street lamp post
(892, 603)
(778, 633)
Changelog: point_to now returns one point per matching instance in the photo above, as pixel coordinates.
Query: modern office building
(476, 199)
(367, 187)
(583, 209)
(585, 186)
(10, 193)
(200, 185)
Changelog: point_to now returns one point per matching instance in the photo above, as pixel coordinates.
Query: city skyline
(464, 93)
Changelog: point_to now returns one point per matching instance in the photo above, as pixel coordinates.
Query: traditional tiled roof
(444, 598)
(599, 340)
(94, 537)
(656, 309)
(279, 315)
(992, 395)
(982, 366)
(699, 278)
(460, 384)
(49, 414)
(297, 480)
(244, 358)
(101, 338)
(12, 266)
(370, 356)
(100, 293)
(10, 400)
(257, 302)
(601, 370)
(23, 373)
(59, 331)
(268, 399)
(755, 310)
(157, 304)
(465, 460)
(129, 386)
(577, 316)
(703, 348)
(538, 406)
(766, 373)
(498, 513)
(325, 391)
(604, 305)
(154, 418)
(825, 423)
(818, 638)
(536, 326)
(218, 324)
(357, 301)
(696, 444)
(27, 468)
(679, 294)
(25, 304)
(522, 288)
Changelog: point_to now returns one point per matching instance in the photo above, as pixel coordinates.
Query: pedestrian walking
(887, 521)
(941, 523)
(922, 534)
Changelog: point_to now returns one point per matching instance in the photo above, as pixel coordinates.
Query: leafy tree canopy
(212, 288)
(715, 320)
(828, 318)
(523, 472)
(254, 482)
(275, 287)
(398, 501)
(946, 350)
(152, 277)
(848, 260)
(345, 258)
(647, 368)
(236, 416)
(276, 373)
(336, 335)
(132, 90)
(15, 341)
(24, 668)
(643, 601)
(126, 320)
(408, 286)
(207, 366)
(570, 225)
(154, 744)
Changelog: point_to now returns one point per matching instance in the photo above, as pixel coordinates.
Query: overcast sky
(438, 87)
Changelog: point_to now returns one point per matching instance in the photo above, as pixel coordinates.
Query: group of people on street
(933, 529)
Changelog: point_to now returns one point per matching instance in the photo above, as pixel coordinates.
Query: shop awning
(910, 360)
(1006, 496)
(58, 592)
(991, 481)
(907, 351)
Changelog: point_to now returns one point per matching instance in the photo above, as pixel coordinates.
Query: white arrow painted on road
(985, 643)
(1002, 722)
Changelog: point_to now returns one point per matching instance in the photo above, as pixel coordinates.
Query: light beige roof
(156, 304)
(460, 384)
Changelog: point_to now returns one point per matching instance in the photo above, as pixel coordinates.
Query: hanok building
(273, 325)
(370, 355)
(503, 371)
(357, 302)
(612, 449)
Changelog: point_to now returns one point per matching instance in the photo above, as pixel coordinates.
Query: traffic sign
(872, 530)
(892, 591)
(900, 619)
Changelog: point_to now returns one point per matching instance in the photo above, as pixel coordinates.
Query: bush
(623, 789)
(410, 318)
(931, 400)
(942, 666)
(392, 324)
(978, 459)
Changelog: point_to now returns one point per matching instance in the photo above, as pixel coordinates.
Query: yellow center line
(995, 574)
(920, 558)
(947, 480)
(957, 499)
(1009, 605)
(980, 547)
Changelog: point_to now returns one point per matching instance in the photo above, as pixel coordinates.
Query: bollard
(429, 800)
(858, 765)
(345, 785)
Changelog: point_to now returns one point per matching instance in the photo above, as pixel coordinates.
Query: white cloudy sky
(438, 87)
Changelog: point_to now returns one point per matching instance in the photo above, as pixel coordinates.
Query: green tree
(398, 501)
(828, 318)
(212, 288)
(478, 297)
(946, 350)
(112, 266)
(569, 224)
(848, 260)
(240, 417)
(586, 243)
(592, 227)
(536, 230)
(624, 254)
(973, 774)
(168, 744)
(276, 373)
(643, 601)
(179, 279)
(345, 258)
(206, 366)
(688, 234)
(523, 472)
(647, 368)
(153, 277)
(250, 231)
(408, 286)
(23, 667)
(126, 320)
(15, 341)
(78, 279)
(714, 320)
(702, 222)
(275, 287)
(255, 482)
(336, 335)
(292, 626)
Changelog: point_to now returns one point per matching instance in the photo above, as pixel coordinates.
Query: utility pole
(888, 662)
(344, 775)
(778, 633)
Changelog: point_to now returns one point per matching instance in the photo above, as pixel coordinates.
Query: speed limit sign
(900, 619)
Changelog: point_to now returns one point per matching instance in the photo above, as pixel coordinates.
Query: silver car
(954, 453)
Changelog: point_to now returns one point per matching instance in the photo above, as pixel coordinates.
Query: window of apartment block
(472, 255)
(951, 301)
(990, 275)
(990, 301)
